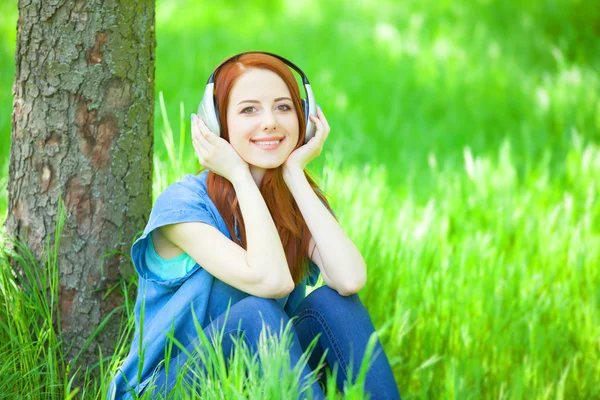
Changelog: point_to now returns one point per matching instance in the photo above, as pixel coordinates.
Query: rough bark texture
(82, 130)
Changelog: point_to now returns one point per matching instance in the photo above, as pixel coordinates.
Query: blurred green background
(463, 159)
(398, 81)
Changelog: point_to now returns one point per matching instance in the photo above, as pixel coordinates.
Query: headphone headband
(285, 60)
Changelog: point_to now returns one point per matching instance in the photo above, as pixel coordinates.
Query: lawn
(463, 161)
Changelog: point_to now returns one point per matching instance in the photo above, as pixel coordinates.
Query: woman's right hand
(216, 153)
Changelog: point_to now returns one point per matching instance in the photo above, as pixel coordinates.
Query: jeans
(342, 321)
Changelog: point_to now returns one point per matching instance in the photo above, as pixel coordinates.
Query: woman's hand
(304, 154)
(216, 153)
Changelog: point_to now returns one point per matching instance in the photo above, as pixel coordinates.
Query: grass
(463, 162)
(35, 366)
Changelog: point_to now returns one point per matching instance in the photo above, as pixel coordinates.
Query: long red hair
(288, 219)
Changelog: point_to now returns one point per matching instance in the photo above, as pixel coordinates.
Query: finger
(206, 133)
(200, 142)
(197, 127)
(318, 124)
(198, 137)
(200, 153)
(321, 133)
(323, 119)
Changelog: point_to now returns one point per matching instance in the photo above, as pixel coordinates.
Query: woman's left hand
(304, 154)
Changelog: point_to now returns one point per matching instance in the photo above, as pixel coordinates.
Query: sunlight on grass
(479, 280)
(486, 269)
(463, 161)
(486, 280)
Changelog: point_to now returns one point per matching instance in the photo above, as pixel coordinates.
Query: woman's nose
(269, 122)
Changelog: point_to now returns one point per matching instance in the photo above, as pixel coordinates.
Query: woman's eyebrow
(256, 101)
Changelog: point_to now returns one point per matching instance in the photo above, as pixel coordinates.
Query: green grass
(463, 161)
(35, 365)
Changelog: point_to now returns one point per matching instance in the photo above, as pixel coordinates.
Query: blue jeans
(344, 325)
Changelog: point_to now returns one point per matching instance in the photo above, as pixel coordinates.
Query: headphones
(209, 111)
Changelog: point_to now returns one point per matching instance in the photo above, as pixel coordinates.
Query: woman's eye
(281, 107)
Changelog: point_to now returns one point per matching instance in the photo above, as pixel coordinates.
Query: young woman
(253, 230)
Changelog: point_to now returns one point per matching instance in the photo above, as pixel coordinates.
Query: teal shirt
(167, 269)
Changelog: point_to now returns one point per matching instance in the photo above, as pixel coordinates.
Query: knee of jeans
(269, 310)
(324, 297)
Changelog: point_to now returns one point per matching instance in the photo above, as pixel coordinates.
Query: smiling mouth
(268, 145)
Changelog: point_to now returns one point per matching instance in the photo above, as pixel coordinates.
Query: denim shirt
(163, 306)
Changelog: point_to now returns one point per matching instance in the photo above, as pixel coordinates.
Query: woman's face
(260, 109)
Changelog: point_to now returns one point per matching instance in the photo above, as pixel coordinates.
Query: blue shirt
(165, 305)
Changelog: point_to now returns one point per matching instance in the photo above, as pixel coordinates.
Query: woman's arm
(262, 269)
(265, 250)
(340, 262)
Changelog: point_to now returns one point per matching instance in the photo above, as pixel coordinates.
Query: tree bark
(82, 131)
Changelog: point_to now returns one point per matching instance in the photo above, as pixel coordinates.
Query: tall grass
(463, 161)
(493, 283)
(32, 354)
(489, 288)
(33, 358)
(490, 285)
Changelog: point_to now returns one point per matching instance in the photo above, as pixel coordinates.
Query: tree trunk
(82, 131)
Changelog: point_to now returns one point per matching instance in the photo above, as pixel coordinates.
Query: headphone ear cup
(207, 112)
(218, 117)
(306, 119)
(305, 108)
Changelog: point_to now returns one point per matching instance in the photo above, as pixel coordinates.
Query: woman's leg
(252, 311)
(345, 327)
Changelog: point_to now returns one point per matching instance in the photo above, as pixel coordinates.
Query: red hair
(290, 224)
